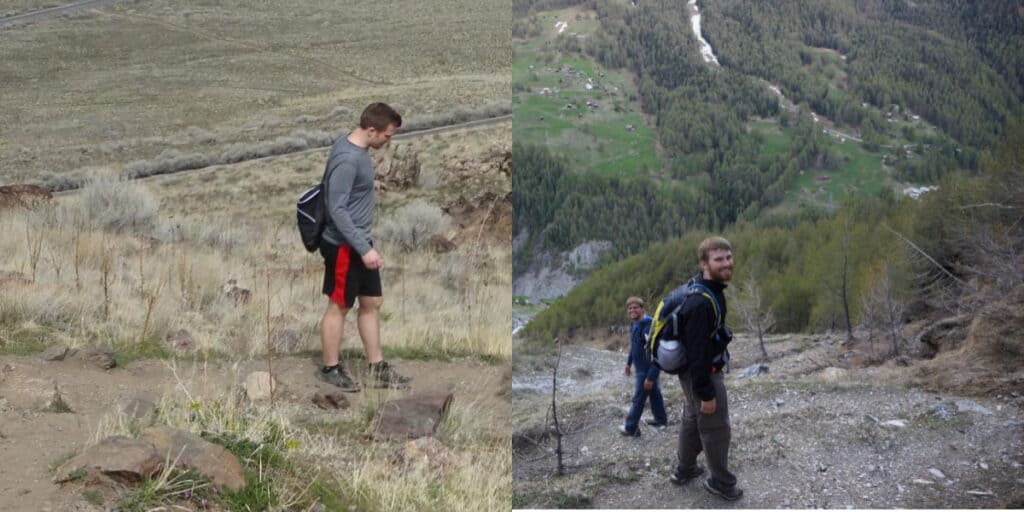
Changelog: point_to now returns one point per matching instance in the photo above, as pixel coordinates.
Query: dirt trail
(809, 434)
(32, 439)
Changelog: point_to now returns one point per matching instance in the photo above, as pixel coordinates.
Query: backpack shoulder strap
(697, 288)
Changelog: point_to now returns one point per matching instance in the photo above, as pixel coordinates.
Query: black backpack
(664, 341)
(311, 214)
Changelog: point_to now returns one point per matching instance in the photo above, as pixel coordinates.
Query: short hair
(380, 116)
(712, 243)
(635, 300)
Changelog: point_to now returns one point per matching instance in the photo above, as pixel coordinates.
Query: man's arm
(341, 177)
(699, 322)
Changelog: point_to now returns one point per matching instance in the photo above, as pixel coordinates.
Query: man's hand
(628, 370)
(708, 407)
(372, 260)
(648, 384)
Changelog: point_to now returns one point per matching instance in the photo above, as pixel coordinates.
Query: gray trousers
(709, 433)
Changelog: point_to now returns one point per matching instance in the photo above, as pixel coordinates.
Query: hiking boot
(730, 494)
(623, 431)
(655, 423)
(339, 378)
(383, 376)
(683, 477)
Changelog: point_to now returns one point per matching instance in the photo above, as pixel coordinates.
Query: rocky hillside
(814, 427)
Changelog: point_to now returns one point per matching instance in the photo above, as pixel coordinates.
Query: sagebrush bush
(167, 162)
(116, 205)
(412, 225)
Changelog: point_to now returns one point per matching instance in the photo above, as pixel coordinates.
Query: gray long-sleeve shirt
(350, 199)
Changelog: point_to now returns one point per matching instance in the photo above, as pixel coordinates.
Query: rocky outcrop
(397, 167)
(553, 275)
(23, 195)
(237, 295)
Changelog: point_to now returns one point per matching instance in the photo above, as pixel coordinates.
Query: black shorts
(346, 277)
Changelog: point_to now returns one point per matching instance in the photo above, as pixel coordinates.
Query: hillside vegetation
(814, 102)
(875, 263)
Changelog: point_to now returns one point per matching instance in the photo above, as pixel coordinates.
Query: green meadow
(573, 105)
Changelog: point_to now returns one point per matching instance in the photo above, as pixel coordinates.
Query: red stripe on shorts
(341, 275)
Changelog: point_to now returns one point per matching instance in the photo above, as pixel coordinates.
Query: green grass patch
(329, 496)
(25, 342)
(775, 139)
(551, 91)
(128, 352)
(93, 497)
(175, 487)
(429, 351)
(860, 174)
(542, 496)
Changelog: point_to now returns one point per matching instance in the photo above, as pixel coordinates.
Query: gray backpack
(668, 352)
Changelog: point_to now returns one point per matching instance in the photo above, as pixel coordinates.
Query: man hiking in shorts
(352, 265)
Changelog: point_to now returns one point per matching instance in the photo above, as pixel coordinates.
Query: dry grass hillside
(158, 81)
(173, 289)
(151, 270)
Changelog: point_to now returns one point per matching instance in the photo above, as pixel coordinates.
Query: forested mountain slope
(926, 90)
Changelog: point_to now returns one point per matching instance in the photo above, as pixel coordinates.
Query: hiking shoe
(730, 494)
(338, 377)
(655, 423)
(683, 477)
(383, 376)
(623, 431)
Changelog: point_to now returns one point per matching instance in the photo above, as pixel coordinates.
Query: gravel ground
(809, 433)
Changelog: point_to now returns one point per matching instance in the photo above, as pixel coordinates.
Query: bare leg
(368, 320)
(331, 328)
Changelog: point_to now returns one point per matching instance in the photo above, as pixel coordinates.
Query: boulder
(325, 398)
(102, 357)
(120, 458)
(411, 417)
(189, 450)
(57, 353)
(235, 294)
(182, 342)
(137, 408)
(752, 371)
(972, 406)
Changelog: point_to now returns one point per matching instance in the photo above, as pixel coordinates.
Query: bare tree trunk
(755, 317)
(554, 410)
(760, 338)
(843, 289)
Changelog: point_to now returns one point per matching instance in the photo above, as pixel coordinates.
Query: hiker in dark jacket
(646, 373)
(705, 419)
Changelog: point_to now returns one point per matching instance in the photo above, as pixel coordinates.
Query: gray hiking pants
(709, 433)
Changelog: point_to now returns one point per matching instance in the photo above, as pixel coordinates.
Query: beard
(721, 275)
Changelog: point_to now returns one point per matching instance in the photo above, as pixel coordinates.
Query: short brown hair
(635, 300)
(712, 243)
(379, 116)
